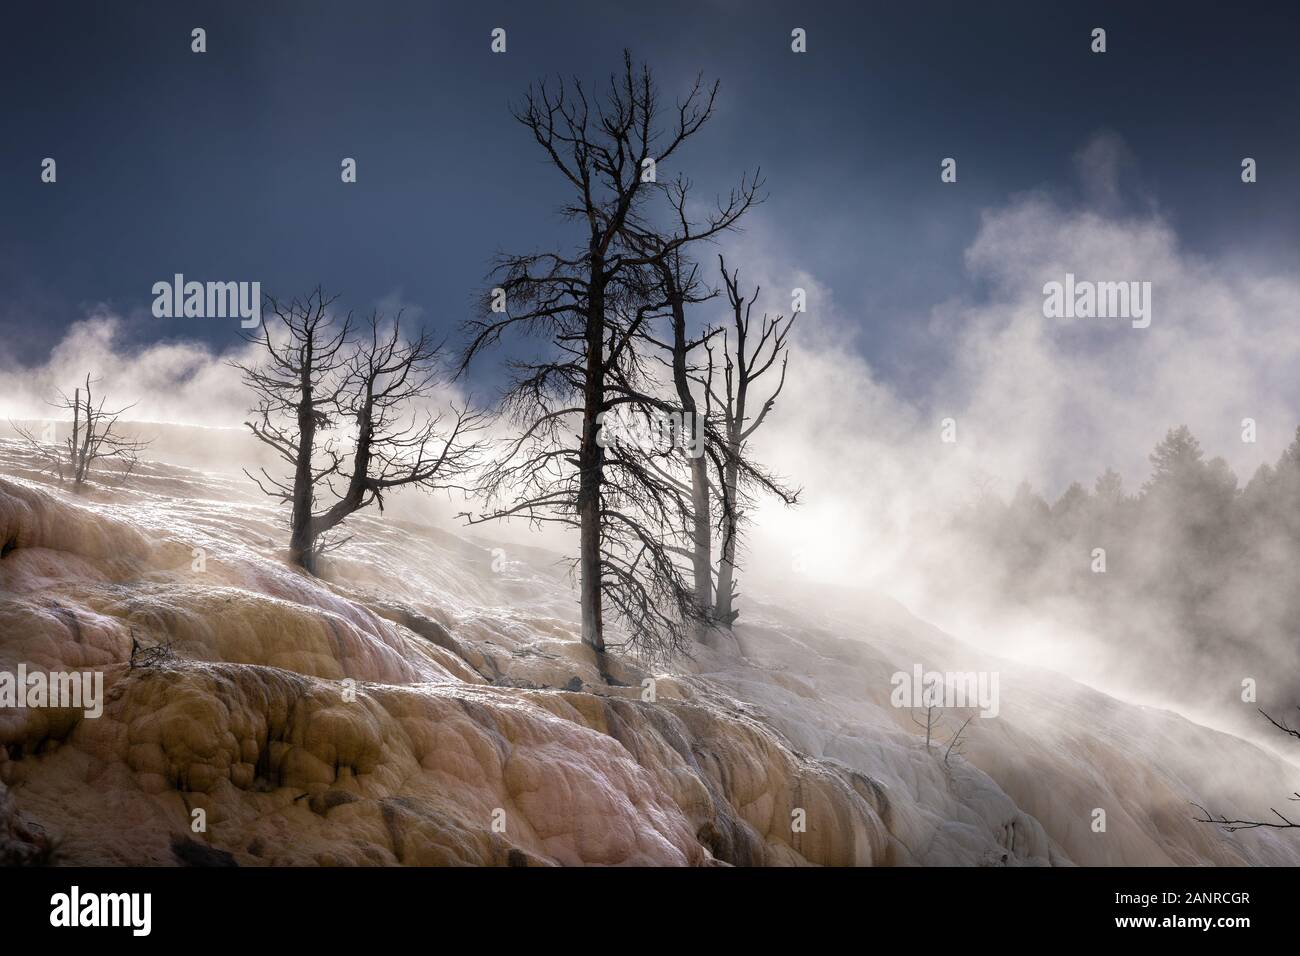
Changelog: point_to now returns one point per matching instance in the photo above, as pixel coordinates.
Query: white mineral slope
(482, 732)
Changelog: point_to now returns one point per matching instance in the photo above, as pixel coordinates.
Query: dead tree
(933, 717)
(713, 496)
(591, 306)
(680, 288)
(744, 361)
(319, 374)
(1282, 822)
(957, 742)
(299, 388)
(95, 438)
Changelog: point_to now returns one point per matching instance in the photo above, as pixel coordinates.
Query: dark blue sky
(226, 165)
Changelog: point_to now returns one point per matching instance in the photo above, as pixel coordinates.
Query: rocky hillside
(428, 702)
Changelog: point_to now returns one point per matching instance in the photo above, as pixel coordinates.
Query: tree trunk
(590, 470)
(701, 526)
(302, 537)
(76, 434)
(723, 611)
(353, 498)
(302, 546)
(83, 456)
(701, 533)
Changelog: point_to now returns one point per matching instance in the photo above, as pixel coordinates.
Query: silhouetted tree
(747, 355)
(592, 306)
(318, 375)
(95, 438)
(721, 477)
(680, 287)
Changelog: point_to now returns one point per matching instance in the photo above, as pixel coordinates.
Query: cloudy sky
(925, 296)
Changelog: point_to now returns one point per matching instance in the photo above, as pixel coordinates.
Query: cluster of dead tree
(615, 338)
(352, 411)
(658, 527)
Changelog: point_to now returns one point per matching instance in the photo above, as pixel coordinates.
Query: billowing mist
(1189, 603)
(955, 494)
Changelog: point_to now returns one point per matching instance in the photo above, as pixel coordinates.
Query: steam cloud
(1043, 400)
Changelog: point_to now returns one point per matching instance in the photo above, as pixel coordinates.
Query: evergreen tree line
(1190, 564)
